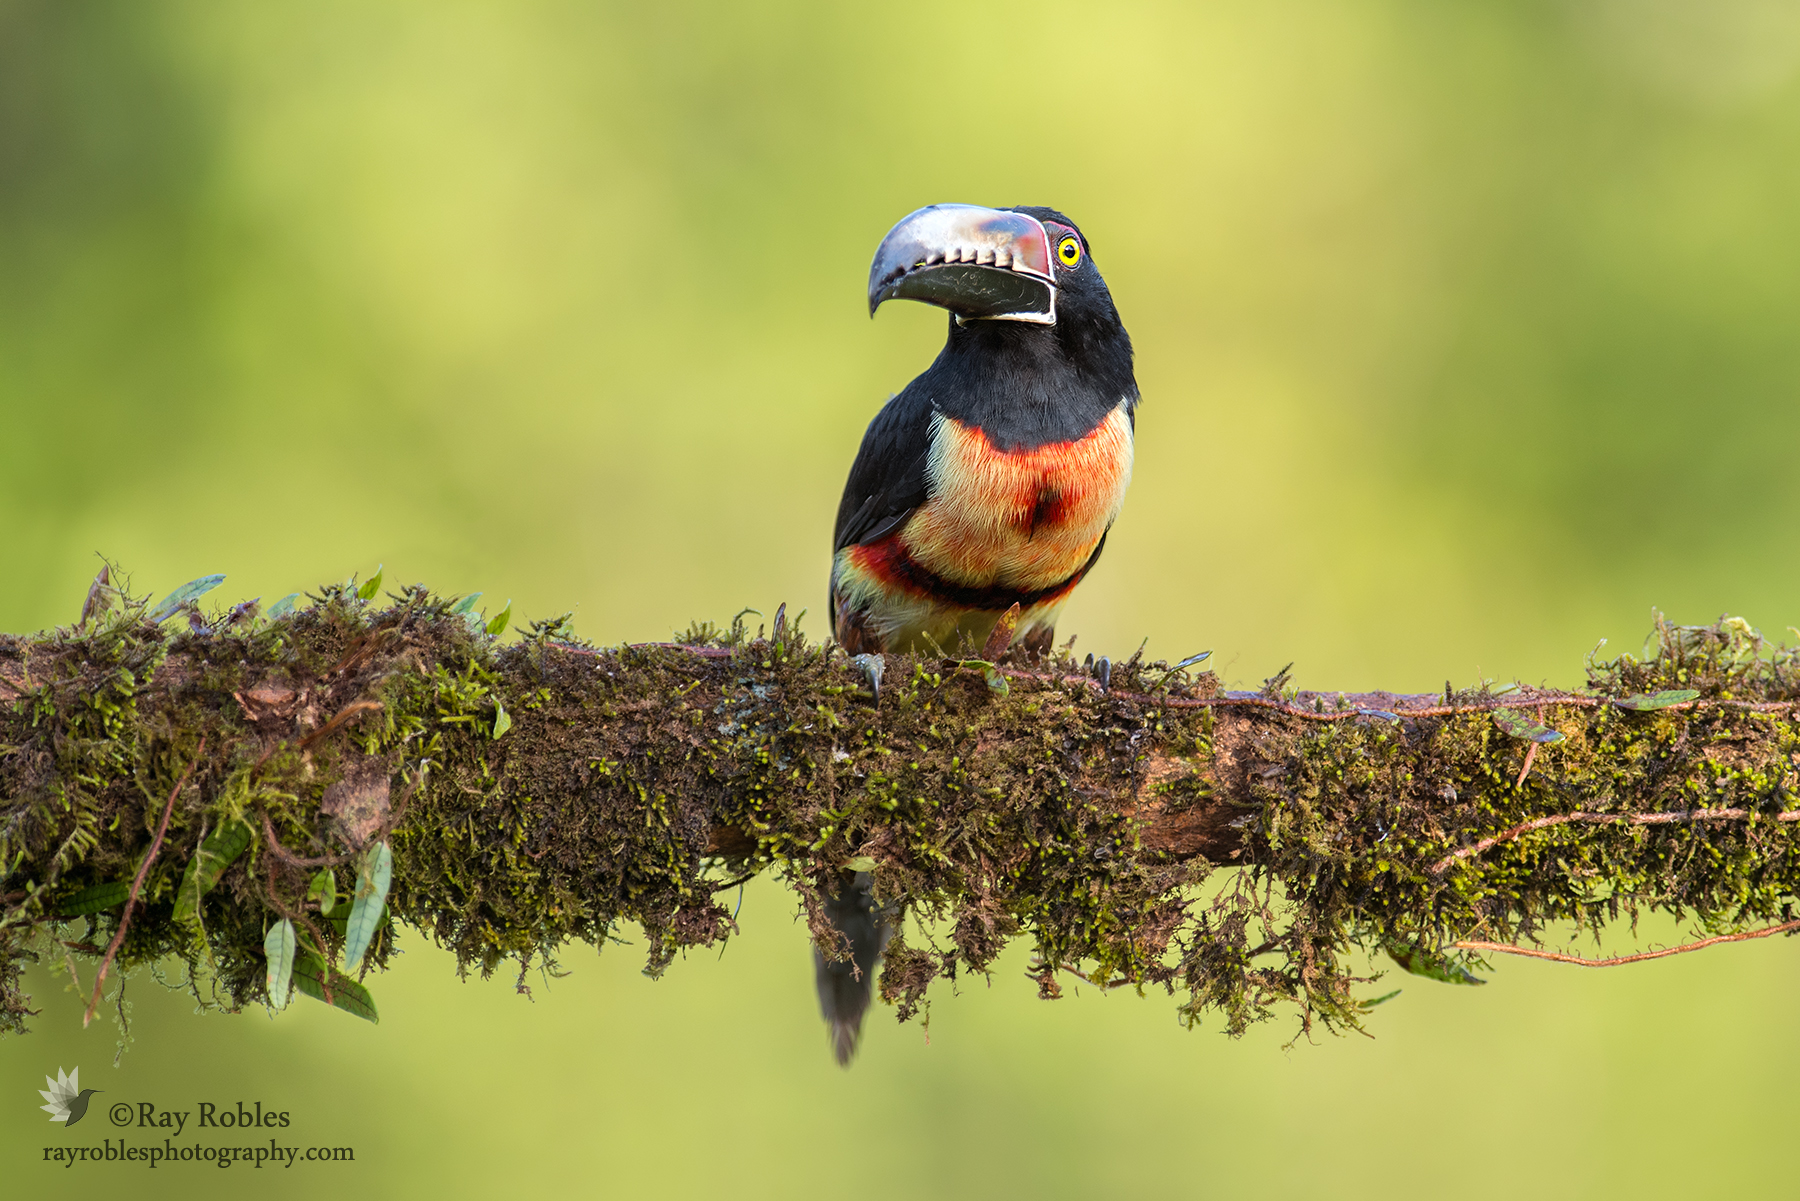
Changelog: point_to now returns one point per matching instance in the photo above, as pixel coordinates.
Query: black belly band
(896, 566)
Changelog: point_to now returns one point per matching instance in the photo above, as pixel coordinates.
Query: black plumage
(1022, 384)
(844, 984)
(1016, 381)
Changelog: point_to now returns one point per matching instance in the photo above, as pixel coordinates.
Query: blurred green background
(1467, 333)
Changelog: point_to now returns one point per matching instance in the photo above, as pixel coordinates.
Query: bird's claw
(872, 666)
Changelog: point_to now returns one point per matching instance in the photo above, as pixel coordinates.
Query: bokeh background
(1467, 334)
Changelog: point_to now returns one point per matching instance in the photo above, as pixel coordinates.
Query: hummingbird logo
(68, 1100)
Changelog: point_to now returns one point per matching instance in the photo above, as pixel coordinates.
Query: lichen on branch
(1139, 825)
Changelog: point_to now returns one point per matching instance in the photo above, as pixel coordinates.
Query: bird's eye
(1068, 251)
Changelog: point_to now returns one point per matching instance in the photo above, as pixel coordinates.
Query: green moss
(543, 791)
(1357, 817)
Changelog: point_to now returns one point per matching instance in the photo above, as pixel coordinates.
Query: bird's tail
(845, 985)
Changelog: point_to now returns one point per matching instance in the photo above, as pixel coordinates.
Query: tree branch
(1138, 823)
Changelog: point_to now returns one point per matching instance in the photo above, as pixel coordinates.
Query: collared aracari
(990, 481)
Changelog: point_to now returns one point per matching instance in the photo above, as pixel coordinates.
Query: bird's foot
(872, 666)
(1100, 669)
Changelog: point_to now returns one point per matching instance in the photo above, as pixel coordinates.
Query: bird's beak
(979, 263)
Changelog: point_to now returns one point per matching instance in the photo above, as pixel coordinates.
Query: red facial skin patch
(1001, 526)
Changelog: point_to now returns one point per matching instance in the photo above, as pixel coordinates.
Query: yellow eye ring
(1068, 251)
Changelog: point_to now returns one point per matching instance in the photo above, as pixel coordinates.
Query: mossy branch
(1139, 825)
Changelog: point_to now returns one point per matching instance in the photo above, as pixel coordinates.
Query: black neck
(1025, 385)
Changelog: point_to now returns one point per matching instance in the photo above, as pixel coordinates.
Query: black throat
(1025, 385)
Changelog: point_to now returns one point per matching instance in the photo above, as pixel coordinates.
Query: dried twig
(1630, 819)
(1530, 758)
(1502, 948)
(337, 723)
(292, 860)
(137, 882)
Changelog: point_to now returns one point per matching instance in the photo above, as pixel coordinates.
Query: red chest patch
(1023, 519)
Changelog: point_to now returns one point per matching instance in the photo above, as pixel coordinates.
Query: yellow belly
(1000, 526)
(1021, 519)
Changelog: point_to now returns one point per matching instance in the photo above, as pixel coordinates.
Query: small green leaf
(94, 899)
(311, 975)
(1523, 725)
(862, 863)
(1192, 660)
(369, 589)
(1433, 965)
(220, 850)
(279, 945)
(165, 608)
(374, 871)
(502, 719)
(338, 917)
(996, 680)
(497, 625)
(323, 889)
(1659, 700)
(1372, 1002)
(465, 604)
(285, 605)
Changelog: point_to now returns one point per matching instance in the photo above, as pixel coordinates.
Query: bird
(78, 1105)
(990, 481)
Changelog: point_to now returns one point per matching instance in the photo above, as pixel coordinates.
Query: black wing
(887, 481)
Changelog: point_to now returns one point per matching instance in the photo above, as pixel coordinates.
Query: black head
(1087, 323)
(1034, 335)
(1071, 258)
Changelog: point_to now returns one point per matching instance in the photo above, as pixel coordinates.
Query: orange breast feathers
(1022, 519)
